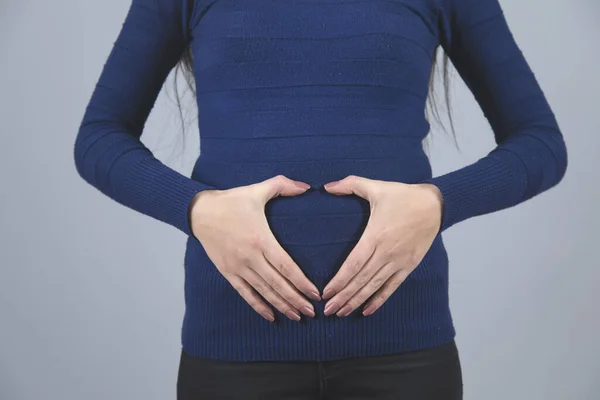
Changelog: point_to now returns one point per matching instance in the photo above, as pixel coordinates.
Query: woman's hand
(404, 221)
(233, 229)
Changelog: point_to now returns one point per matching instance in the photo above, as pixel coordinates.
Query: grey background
(91, 293)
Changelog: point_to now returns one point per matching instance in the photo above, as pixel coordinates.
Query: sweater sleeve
(530, 156)
(108, 152)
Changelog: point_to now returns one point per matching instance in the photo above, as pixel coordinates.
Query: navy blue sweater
(316, 90)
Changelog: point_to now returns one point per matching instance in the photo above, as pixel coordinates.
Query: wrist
(435, 198)
(195, 207)
(194, 201)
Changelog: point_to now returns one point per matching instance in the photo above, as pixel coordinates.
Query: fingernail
(306, 310)
(292, 315)
(369, 310)
(330, 308)
(331, 184)
(314, 296)
(327, 293)
(268, 316)
(344, 311)
(303, 185)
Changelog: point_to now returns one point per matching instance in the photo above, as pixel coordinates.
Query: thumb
(352, 184)
(280, 185)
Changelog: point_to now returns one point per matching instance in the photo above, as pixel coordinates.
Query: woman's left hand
(404, 221)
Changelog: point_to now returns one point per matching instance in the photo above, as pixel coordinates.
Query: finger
(279, 185)
(352, 184)
(363, 294)
(338, 302)
(282, 286)
(285, 265)
(251, 297)
(267, 292)
(352, 265)
(385, 292)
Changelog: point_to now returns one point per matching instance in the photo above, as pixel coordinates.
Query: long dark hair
(186, 64)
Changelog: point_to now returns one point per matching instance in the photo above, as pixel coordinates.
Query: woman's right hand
(232, 227)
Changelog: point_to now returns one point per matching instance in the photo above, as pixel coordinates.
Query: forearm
(120, 166)
(523, 166)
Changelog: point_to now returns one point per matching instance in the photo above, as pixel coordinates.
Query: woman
(314, 265)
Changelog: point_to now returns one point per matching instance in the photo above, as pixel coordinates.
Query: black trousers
(430, 374)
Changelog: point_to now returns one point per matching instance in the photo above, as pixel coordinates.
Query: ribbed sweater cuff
(492, 183)
(161, 192)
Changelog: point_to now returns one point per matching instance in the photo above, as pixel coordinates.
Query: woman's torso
(314, 90)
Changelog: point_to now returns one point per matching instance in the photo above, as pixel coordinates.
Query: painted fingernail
(369, 310)
(303, 185)
(314, 296)
(344, 311)
(327, 293)
(306, 310)
(292, 315)
(330, 308)
(268, 316)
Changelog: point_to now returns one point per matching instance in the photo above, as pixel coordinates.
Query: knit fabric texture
(316, 90)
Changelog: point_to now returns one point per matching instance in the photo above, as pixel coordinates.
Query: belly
(316, 228)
